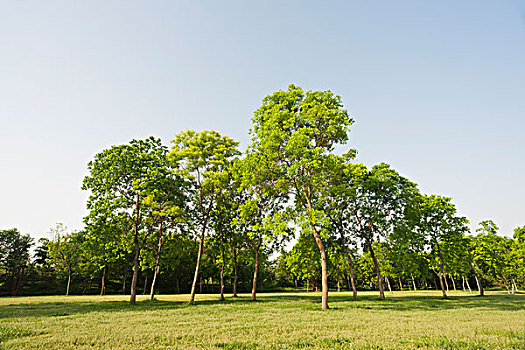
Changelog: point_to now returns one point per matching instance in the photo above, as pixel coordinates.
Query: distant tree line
(202, 217)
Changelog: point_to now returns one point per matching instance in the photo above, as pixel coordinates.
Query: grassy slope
(277, 321)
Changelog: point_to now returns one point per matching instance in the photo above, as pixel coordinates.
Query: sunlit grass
(277, 321)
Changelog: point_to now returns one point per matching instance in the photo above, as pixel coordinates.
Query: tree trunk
(103, 282)
(68, 282)
(18, 281)
(351, 265)
(413, 282)
(434, 280)
(256, 247)
(307, 285)
(123, 284)
(400, 284)
(453, 283)
(468, 285)
(157, 266)
(463, 283)
(441, 272)
(235, 272)
(478, 281)
(324, 270)
(338, 283)
(222, 266)
(515, 285)
(133, 296)
(388, 283)
(177, 286)
(378, 271)
(504, 280)
(196, 276)
(145, 283)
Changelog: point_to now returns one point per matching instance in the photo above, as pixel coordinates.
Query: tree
(64, 252)
(438, 223)
(14, 256)
(295, 133)
(202, 158)
(119, 181)
(376, 201)
(492, 250)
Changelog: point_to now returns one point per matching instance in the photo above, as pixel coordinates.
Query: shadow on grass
(339, 303)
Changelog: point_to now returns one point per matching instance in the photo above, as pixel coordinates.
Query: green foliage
(14, 258)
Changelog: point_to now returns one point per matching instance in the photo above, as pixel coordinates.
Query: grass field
(407, 320)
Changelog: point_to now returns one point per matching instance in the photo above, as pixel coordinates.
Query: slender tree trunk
(16, 285)
(468, 285)
(196, 276)
(453, 283)
(235, 272)
(378, 271)
(338, 283)
(504, 280)
(103, 282)
(434, 280)
(145, 283)
(177, 286)
(307, 285)
(324, 270)
(441, 272)
(478, 281)
(463, 283)
(388, 284)
(222, 266)
(123, 284)
(133, 296)
(351, 265)
(324, 267)
(400, 284)
(256, 247)
(515, 285)
(157, 266)
(348, 282)
(68, 282)
(413, 282)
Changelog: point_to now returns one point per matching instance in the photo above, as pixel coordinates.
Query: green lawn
(277, 321)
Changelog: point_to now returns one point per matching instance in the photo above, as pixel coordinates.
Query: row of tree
(156, 209)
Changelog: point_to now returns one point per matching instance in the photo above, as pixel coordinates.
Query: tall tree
(438, 222)
(64, 252)
(119, 179)
(492, 250)
(203, 159)
(295, 132)
(14, 256)
(377, 200)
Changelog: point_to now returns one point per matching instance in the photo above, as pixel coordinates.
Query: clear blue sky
(436, 89)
